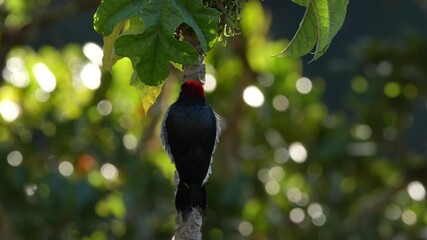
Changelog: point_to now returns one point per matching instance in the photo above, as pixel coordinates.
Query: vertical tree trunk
(190, 228)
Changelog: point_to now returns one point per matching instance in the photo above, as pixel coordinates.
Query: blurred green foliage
(81, 160)
(20, 11)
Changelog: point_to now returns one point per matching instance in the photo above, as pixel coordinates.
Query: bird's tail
(189, 196)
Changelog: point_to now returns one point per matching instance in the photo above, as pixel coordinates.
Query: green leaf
(321, 22)
(112, 12)
(131, 26)
(306, 36)
(331, 18)
(149, 94)
(156, 46)
(150, 52)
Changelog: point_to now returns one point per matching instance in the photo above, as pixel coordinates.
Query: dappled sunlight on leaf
(152, 49)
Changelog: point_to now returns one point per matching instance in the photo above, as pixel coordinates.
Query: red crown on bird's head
(193, 88)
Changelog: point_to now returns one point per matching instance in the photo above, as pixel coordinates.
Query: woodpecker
(190, 132)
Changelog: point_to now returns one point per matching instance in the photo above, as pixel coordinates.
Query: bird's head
(192, 89)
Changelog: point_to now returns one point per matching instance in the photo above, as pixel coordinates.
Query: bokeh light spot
(15, 72)
(281, 155)
(297, 152)
(304, 85)
(44, 77)
(263, 175)
(319, 220)
(359, 84)
(277, 173)
(126, 121)
(361, 131)
(304, 200)
(41, 95)
(384, 68)
(274, 138)
(109, 171)
(30, 189)
(416, 191)
(66, 168)
(266, 80)
(93, 52)
(245, 228)
(104, 107)
(409, 217)
(393, 212)
(293, 194)
(392, 89)
(253, 96)
(14, 158)
(314, 210)
(297, 215)
(130, 141)
(85, 163)
(361, 149)
(210, 84)
(9, 110)
(280, 103)
(272, 187)
(91, 76)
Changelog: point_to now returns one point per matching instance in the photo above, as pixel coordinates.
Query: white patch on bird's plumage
(208, 173)
(176, 181)
(218, 134)
(218, 130)
(164, 137)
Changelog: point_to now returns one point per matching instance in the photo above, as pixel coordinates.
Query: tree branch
(189, 229)
(195, 71)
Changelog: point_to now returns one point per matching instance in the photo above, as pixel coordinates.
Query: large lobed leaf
(321, 22)
(152, 50)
